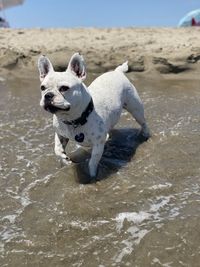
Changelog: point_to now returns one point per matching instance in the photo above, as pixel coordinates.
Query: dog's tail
(123, 67)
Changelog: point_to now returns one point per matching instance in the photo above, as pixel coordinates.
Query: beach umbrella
(191, 19)
(9, 3)
(6, 4)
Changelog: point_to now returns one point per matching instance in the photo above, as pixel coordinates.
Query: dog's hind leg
(133, 104)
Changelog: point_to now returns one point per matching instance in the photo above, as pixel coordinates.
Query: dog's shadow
(118, 151)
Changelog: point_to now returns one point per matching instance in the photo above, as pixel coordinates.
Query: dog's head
(62, 91)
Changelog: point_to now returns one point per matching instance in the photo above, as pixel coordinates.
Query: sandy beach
(149, 50)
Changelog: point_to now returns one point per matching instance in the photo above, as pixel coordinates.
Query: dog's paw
(143, 136)
(64, 159)
(83, 173)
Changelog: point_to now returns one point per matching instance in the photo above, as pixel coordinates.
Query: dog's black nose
(49, 96)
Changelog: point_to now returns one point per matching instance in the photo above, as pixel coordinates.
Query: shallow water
(145, 213)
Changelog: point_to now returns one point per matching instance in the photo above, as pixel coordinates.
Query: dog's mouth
(53, 109)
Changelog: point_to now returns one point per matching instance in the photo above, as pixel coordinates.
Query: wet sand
(145, 209)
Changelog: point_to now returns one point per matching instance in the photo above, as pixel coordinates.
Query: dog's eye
(63, 88)
(42, 88)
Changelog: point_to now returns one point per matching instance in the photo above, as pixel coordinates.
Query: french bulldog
(87, 114)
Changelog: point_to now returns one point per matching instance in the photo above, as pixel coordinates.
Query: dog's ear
(77, 66)
(44, 67)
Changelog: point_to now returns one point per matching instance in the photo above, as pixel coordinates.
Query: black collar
(83, 118)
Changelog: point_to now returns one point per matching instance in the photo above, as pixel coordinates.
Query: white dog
(86, 115)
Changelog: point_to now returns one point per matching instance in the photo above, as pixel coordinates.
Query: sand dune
(159, 50)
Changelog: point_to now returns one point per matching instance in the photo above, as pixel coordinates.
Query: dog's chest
(82, 135)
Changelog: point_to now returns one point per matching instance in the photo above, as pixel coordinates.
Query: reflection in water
(146, 213)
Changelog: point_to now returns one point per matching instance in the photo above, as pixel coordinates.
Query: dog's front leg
(97, 152)
(60, 145)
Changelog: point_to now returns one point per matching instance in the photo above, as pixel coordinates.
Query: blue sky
(99, 13)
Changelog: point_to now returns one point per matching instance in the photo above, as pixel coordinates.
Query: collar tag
(79, 137)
